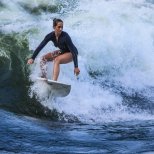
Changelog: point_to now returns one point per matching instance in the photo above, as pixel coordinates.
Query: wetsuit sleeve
(41, 46)
(73, 50)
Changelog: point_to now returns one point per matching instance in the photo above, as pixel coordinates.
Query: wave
(14, 73)
(115, 43)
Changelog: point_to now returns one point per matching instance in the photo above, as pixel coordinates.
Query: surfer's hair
(55, 21)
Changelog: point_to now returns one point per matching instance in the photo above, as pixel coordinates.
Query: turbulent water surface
(110, 108)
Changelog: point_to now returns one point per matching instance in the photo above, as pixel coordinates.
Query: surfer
(67, 51)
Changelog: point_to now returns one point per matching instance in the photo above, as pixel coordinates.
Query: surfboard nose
(58, 89)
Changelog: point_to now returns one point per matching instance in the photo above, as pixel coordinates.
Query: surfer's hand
(76, 71)
(30, 61)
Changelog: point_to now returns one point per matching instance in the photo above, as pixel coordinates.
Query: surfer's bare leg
(61, 59)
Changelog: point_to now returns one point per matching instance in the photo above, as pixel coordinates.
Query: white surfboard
(59, 89)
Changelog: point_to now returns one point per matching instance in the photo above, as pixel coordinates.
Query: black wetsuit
(64, 43)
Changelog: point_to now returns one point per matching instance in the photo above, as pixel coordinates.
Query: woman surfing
(67, 51)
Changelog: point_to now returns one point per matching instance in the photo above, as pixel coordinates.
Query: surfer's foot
(43, 76)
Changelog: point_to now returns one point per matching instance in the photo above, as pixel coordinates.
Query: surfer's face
(58, 28)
